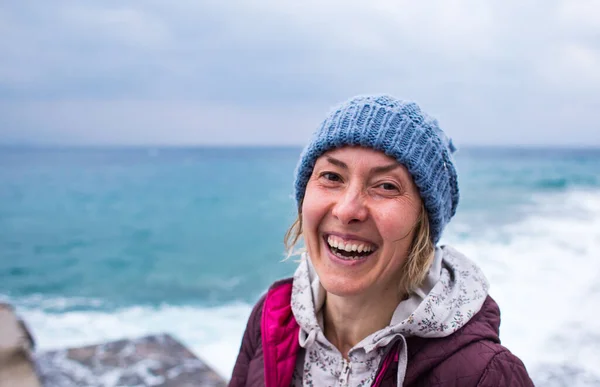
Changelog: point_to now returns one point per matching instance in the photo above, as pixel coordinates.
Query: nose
(350, 206)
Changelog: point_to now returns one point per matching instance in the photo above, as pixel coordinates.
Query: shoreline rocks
(17, 368)
(156, 360)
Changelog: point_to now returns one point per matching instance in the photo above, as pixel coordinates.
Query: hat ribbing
(401, 130)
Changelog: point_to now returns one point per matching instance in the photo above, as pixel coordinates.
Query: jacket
(472, 356)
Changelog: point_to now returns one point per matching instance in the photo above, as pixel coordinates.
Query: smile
(349, 249)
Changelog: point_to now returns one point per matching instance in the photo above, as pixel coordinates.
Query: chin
(342, 287)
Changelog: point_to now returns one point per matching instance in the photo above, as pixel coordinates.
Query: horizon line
(221, 145)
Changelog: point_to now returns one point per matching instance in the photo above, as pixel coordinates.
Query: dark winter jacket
(472, 356)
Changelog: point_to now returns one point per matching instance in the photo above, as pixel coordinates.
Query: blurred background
(147, 154)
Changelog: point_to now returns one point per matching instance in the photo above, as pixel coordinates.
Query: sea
(104, 243)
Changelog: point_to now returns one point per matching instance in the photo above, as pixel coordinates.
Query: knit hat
(401, 130)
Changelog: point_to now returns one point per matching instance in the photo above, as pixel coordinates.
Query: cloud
(481, 67)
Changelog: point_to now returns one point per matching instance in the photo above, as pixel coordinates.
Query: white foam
(57, 304)
(214, 334)
(545, 279)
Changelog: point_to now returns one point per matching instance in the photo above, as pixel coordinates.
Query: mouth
(349, 249)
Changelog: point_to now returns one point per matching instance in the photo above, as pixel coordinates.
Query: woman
(374, 302)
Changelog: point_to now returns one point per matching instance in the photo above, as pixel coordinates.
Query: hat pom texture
(401, 130)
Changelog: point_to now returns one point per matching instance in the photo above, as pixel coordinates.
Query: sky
(266, 72)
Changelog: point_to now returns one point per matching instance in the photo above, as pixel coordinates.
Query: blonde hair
(416, 266)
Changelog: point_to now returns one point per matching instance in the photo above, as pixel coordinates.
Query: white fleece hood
(453, 291)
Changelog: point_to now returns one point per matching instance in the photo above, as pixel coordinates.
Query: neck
(348, 320)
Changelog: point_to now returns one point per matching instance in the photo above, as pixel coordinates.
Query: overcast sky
(267, 71)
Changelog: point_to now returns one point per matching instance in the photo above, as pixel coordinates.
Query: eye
(330, 176)
(389, 187)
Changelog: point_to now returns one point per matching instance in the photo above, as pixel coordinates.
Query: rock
(157, 360)
(16, 344)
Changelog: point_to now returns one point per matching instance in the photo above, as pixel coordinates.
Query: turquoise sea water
(98, 243)
(143, 226)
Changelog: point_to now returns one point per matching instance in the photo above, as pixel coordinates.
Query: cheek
(395, 224)
(313, 210)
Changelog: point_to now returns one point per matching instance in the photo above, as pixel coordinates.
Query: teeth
(349, 247)
(332, 242)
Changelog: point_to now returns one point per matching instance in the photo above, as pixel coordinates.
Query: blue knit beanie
(401, 130)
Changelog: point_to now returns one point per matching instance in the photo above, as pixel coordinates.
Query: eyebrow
(378, 170)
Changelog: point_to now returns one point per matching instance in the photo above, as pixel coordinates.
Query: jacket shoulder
(247, 370)
(480, 364)
(270, 309)
(254, 321)
(253, 327)
(505, 369)
(471, 356)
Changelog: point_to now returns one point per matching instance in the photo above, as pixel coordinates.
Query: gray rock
(157, 360)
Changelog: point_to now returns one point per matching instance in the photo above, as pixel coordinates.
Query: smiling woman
(374, 301)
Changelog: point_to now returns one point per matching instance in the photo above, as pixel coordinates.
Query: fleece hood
(452, 293)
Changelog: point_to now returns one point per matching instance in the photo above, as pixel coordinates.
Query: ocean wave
(56, 304)
(544, 277)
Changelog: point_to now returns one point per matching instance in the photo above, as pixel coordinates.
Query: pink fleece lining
(279, 336)
(391, 357)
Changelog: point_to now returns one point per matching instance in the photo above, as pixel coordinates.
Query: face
(359, 213)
